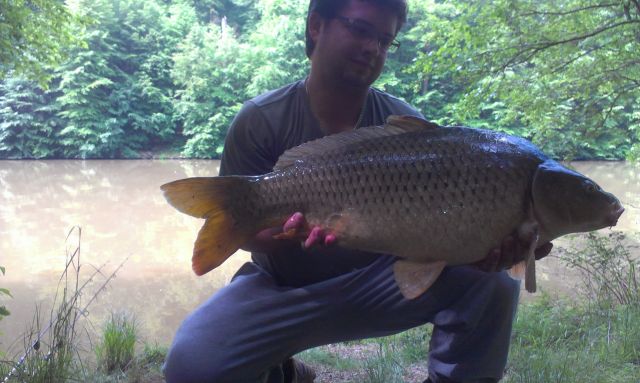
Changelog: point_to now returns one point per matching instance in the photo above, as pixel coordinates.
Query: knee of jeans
(187, 364)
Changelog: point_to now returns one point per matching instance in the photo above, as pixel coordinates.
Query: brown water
(123, 215)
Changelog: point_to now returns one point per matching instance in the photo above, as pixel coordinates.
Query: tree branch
(565, 64)
(535, 48)
(576, 10)
(637, 3)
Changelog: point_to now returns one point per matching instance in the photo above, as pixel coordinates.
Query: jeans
(248, 328)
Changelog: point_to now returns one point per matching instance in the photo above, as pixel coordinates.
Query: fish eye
(590, 186)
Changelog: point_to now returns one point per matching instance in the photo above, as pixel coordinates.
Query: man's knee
(186, 363)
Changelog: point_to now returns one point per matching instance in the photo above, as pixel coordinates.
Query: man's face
(347, 47)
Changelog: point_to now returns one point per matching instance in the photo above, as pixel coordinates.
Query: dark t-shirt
(266, 127)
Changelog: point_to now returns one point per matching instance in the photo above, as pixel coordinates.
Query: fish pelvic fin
(414, 278)
(210, 198)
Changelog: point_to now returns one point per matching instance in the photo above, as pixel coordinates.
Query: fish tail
(210, 198)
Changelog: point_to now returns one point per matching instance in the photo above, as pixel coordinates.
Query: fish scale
(433, 196)
(401, 188)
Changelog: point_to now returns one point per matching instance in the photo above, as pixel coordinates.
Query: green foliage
(209, 75)
(144, 76)
(116, 350)
(551, 337)
(609, 271)
(216, 71)
(384, 367)
(3, 310)
(116, 95)
(564, 73)
(28, 124)
(325, 357)
(34, 36)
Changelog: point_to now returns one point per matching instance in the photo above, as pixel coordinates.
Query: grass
(553, 341)
(558, 341)
(386, 365)
(591, 338)
(116, 351)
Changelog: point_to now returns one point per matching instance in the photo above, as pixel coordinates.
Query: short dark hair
(328, 9)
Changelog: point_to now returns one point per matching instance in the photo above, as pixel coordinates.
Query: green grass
(325, 357)
(116, 351)
(386, 366)
(556, 341)
(553, 341)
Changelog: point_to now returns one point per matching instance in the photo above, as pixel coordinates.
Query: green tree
(276, 51)
(429, 92)
(240, 14)
(28, 123)
(211, 85)
(34, 35)
(117, 94)
(217, 72)
(565, 73)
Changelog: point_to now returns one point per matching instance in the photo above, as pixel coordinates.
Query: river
(124, 218)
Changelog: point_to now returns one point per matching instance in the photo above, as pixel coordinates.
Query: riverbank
(592, 337)
(553, 341)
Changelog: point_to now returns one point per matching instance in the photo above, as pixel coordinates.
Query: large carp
(433, 196)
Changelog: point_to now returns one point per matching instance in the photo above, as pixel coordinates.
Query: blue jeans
(245, 330)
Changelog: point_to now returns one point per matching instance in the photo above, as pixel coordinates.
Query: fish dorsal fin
(410, 123)
(414, 278)
(395, 125)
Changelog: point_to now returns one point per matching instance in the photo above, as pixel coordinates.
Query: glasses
(362, 30)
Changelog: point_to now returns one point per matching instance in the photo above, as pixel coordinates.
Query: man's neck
(337, 108)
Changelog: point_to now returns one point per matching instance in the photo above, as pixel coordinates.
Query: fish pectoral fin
(526, 269)
(530, 276)
(414, 278)
(518, 270)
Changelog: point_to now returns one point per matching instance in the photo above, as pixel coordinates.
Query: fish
(430, 195)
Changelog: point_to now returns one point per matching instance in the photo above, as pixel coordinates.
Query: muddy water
(124, 218)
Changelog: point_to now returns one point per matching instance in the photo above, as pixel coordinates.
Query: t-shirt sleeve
(248, 147)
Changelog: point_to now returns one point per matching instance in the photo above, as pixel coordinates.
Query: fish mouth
(612, 217)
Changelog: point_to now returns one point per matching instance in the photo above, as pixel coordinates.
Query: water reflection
(122, 213)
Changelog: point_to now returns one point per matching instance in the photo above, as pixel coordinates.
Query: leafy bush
(609, 272)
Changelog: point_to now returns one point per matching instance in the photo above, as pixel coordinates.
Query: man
(291, 298)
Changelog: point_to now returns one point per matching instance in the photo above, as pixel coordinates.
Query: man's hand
(511, 251)
(297, 227)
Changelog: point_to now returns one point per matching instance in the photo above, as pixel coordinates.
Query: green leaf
(5, 292)
(2, 269)
(4, 312)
